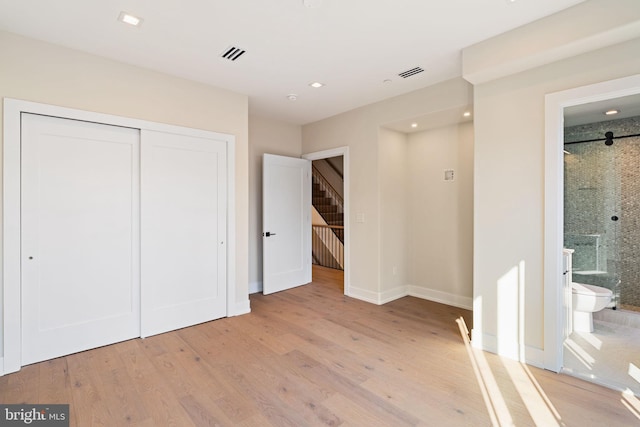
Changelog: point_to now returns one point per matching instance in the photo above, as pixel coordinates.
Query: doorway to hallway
(330, 220)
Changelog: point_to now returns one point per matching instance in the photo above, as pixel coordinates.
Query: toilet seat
(586, 300)
(590, 290)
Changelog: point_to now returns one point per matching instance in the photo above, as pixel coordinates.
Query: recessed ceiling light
(292, 97)
(386, 81)
(414, 125)
(467, 114)
(612, 112)
(130, 19)
(316, 84)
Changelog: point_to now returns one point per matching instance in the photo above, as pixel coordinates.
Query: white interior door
(80, 236)
(184, 182)
(286, 221)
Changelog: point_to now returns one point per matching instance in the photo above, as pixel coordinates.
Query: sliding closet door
(183, 216)
(80, 236)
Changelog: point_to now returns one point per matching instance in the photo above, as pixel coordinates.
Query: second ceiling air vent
(411, 72)
(232, 53)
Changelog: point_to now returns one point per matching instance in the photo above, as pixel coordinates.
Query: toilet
(587, 299)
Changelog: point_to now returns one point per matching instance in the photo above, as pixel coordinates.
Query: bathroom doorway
(601, 211)
(596, 172)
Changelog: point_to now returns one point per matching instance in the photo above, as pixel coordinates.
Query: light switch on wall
(360, 217)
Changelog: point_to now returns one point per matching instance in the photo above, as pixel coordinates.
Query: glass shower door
(592, 208)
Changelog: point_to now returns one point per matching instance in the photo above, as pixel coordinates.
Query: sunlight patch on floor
(537, 403)
(585, 358)
(496, 406)
(634, 372)
(544, 396)
(535, 399)
(631, 402)
(591, 339)
(609, 356)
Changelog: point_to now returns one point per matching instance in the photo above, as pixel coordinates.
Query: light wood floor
(311, 356)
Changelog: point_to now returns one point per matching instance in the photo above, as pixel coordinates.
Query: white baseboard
(488, 342)
(393, 294)
(380, 298)
(533, 356)
(1, 366)
(241, 308)
(441, 297)
(364, 295)
(255, 287)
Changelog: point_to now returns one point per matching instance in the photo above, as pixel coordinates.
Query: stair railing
(327, 188)
(327, 249)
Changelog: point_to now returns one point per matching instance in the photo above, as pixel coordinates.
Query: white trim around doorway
(555, 103)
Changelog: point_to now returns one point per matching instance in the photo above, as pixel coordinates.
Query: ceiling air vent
(232, 53)
(411, 72)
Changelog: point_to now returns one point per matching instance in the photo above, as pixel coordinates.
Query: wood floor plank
(342, 360)
(351, 413)
(424, 403)
(262, 397)
(237, 406)
(123, 402)
(140, 368)
(164, 408)
(296, 393)
(311, 356)
(87, 408)
(320, 374)
(277, 384)
(203, 412)
(5, 390)
(54, 386)
(257, 420)
(24, 388)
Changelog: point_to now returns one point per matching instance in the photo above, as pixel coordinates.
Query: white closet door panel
(183, 231)
(80, 228)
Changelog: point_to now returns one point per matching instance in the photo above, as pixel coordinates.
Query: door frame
(555, 103)
(344, 152)
(11, 234)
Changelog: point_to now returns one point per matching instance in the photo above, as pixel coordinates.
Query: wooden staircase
(326, 206)
(327, 239)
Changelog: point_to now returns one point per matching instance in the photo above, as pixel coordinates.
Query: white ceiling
(350, 45)
(593, 112)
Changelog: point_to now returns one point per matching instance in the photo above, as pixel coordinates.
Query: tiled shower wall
(600, 182)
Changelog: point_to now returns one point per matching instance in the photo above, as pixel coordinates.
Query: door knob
(269, 234)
